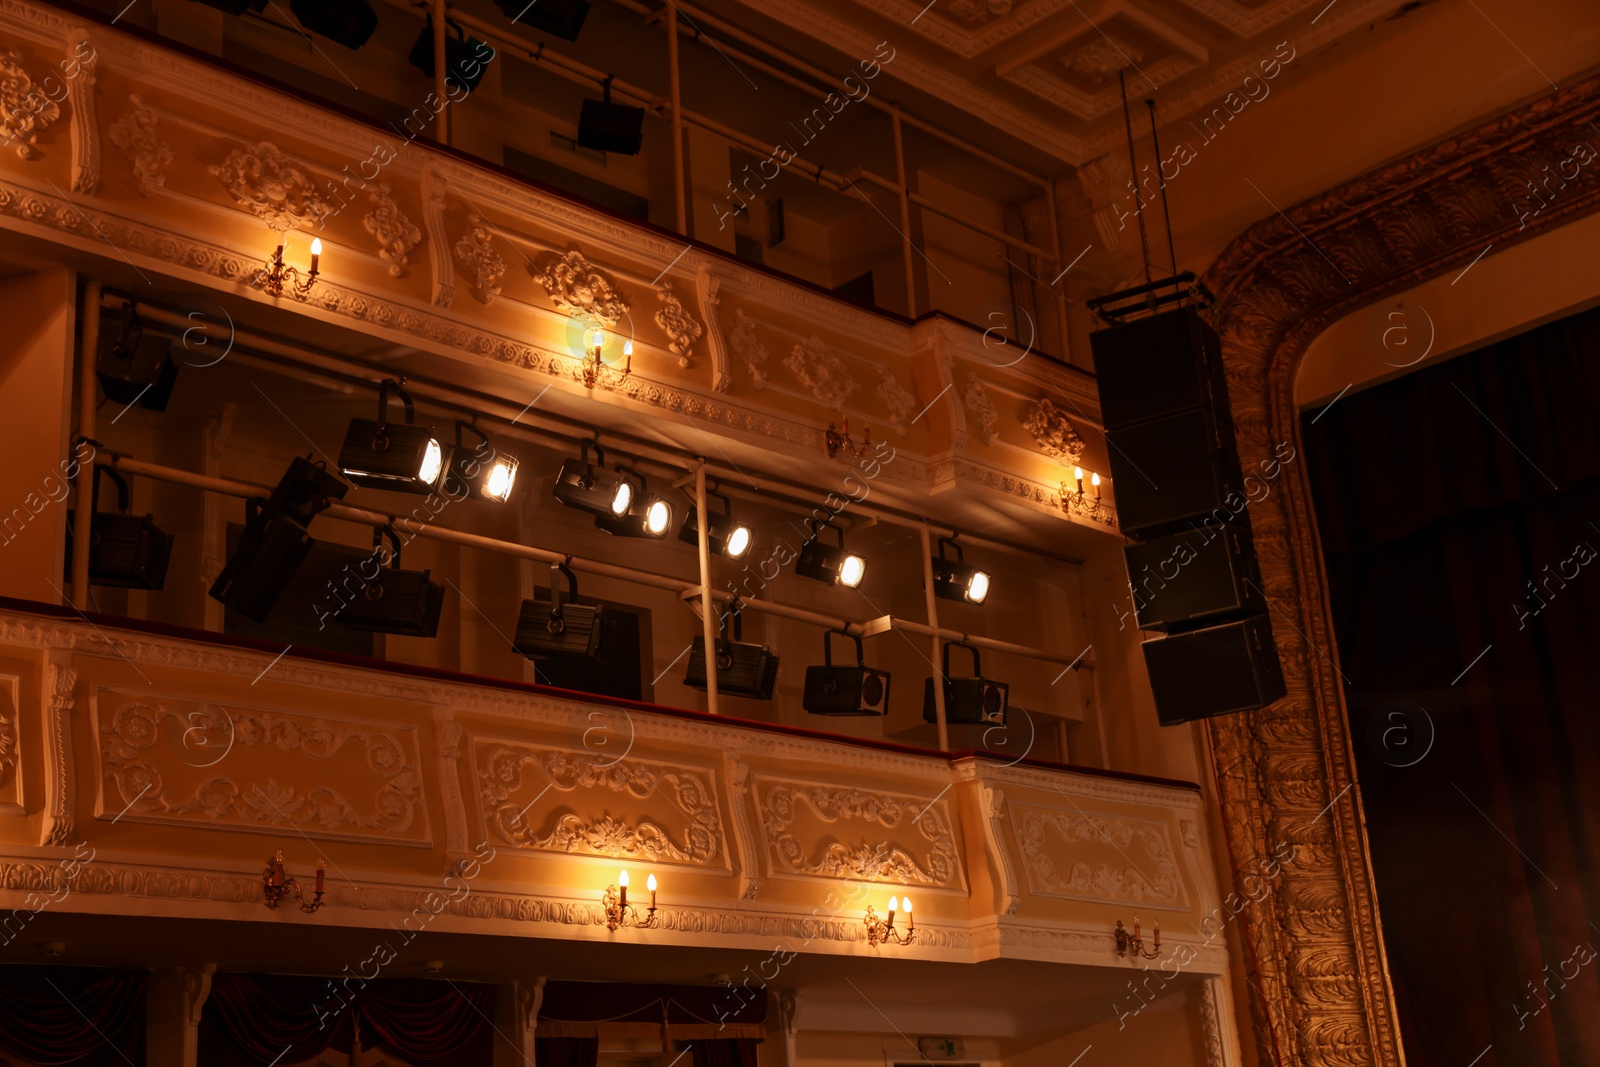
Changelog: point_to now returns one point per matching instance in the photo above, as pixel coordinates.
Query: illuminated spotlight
(648, 516)
(590, 487)
(349, 22)
(829, 563)
(727, 535)
(394, 601)
(125, 551)
(955, 580)
(385, 455)
(559, 18)
(845, 689)
(275, 542)
(481, 473)
(134, 367)
(460, 54)
(744, 670)
(967, 700)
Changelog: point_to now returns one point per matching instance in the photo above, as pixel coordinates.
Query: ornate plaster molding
(581, 290)
(817, 367)
(1320, 982)
(279, 190)
(1054, 432)
(484, 266)
(890, 859)
(1153, 882)
(60, 777)
(135, 135)
(682, 329)
(982, 409)
(751, 352)
(25, 109)
(85, 127)
(396, 234)
(706, 285)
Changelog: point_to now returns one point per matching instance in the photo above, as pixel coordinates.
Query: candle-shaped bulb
(1077, 474)
(650, 884)
(622, 879)
(1094, 480)
(316, 253)
(627, 357)
(322, 874)
(1158, 933)
(598, 340)
(894, 906)
(905, 905)
(1136, 926)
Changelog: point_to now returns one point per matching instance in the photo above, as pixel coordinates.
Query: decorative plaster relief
(1056, 436)
(708, 283)
(749, 350)
(396, 234)
(1151, 876)
(839, 832)
(820, 370)
(982, 410)
(60, 770)
(681, 327)
(896, 398)
(280, 773)
(580, 289)
(135, 134)
(10, 766)
(483, 264)
(671, 812)
(85, 126)
(272, 186)
(25, 109)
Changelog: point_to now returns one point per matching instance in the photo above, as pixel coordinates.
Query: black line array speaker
(1214, 670)
(1188, 578)
(1172, 470)
(1157, 366)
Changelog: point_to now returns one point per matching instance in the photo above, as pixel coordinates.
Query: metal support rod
(934, 643)
(83, 506)
(708, 603)
(976, 227)
(679, 181)
(441, 128)
(1059, 286)
(905, 215)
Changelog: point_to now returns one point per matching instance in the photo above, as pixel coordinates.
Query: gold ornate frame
(1320, 987)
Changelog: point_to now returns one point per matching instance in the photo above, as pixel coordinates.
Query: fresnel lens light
(482, 472)
(829, 563)
(726, 535)
(646, 516)
(591, 487)
(381, 454)
(955, 580)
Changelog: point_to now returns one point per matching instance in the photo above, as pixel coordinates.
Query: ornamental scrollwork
(1054, 434)
(982, 410)
(876, 860)
(396, 234)
(1156, 881)
(817, 367)
(682, 329)
(272, 186)
(135, 134)
(483, 263)
(896, 398)
(751, 352)
(25, 108)
(580, 289)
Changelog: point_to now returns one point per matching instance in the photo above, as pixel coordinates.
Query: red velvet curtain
(1459, 510)
(85, 1016)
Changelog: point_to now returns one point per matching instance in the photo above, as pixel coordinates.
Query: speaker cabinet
(1214, 671)
(1158, 366)
(1184, 579)
(1175, 470)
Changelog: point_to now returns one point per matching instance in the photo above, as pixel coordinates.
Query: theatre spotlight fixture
(482, 473)
(742, 670)
(829, 563)
(882, 931)
(388, 600)
(126, 551)
(559, 18)
(275, 542)
(727, 536)
(461, 54)
(954, 579)
(275, 885)
(276, 274)
(590, 487)
(135, 367)
(648, 516)
(607, 127)
(1133, 943)
(620, 913)
(550, 628)
(381, 454)
(845, 689)
(975, 700)
(349, 22)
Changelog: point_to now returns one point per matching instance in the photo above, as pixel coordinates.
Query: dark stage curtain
(566, 1051)
(735, 1052)
(624, 1009)
(86, 1016)
(1459, 511)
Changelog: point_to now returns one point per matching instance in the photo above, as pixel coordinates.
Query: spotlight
(549, 628)
(461, 54)
(482, 473)
(590, 487)
(974, 700)
(384, 455)
(125, 551)
(349, 22)
(648, 516)
(845, 690)
(559, 18)
(954, 580)
(393, 601)
(275, 541)
(742, 670)
(727, 535)
(829, 563)
(607, 127)
(135, 368)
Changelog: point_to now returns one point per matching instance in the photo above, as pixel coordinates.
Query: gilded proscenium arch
(1320, 979)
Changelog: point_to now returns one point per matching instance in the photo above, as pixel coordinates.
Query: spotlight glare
(725, 535)
(392, 455)
(955, 579)
(658, 519)
(829, 563)
(622, 499)
(432, 463)
(978, 587)
(852, 571)
(591, 487)
(501, 477)
(738, 541)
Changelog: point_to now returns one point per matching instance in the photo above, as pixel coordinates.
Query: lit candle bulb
(650, 884)
(599, 340)
(1077, 473)
(1094, 480)
(322, 873)
(1136, 927)
(627, 356)
(622, 882)
(316, 253)
(894, 906)
(906, 907)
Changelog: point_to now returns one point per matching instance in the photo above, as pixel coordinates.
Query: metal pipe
(678, 181)
(1060, 291)
(708, 604)
(905, 215)
(441, 127)
(83, 506)
(934, 644)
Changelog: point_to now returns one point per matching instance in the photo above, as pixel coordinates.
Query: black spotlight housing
(845, 689)
(394, 601)
(742, 670)
(275, 540)
(955, 579)
(481, 472)
(559, 18)
(829, 563)
(135, 367)
(552, 629)
(381, 454)
(465, 58)
(590, 486)
(727, 535)
(648, 516)
(607, 127)
(347, 22)
(125, 551)
(975, 700)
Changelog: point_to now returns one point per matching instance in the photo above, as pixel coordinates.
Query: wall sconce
(275, 274)
(595, 340)
(275, 885)
(620, 913)
(834, 439)
(1075, 501)
(1133, 943)
(882, 931)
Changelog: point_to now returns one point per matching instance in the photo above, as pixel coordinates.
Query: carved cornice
(1320, 978)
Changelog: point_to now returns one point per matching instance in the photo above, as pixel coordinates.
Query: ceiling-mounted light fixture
(482, 473)
(742, 669)
(465, 58)
(550, 628)
(955, 580)
(648, 516)
(829, 563)
(275, 542)
(590, 487)
(384, 455)
(393, 601)
(594, 365)
(135, 367)
(727, 536)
